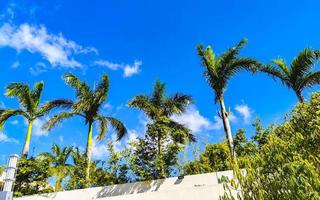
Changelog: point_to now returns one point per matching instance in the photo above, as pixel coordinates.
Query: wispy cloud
(128, 70)
(38, 68)
(37, 128)
(56, 49)
(193, 120)
(15, 65)
(5, 138)
(244, 111)
(198, 123)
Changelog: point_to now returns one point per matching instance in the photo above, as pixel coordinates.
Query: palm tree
(29, 107)
(59, 166)
(218, 71)
(87, 106)
(298, 76)
(160, 109)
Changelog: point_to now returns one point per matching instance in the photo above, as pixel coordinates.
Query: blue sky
(137, 42)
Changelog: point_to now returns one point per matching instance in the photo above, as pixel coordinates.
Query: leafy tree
(216, 157)
(287, 164)
(58, 163)
(32, 177)
(298, 76)
(218, 71)
(162, 131)
(145, 162)
(88, 105)
(78, 171)
(29, 107)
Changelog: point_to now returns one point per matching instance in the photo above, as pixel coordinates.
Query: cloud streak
(128, 70)
(56, 49)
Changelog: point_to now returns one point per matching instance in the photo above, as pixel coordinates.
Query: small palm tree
(298, 76)
(87, 106)
(29, 107)
(218, 71)
(59, 166)
(160, 108)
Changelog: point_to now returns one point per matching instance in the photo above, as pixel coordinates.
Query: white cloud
(38, 68)
(56, 49)
(132, 135)
(198, 123)
(107, 106)
(193, 120)
(99, 149)
(132, 70)
(110, 65)
(37, 128)
(128, 70)
(244, 111)
(5, 138)
(15, 65)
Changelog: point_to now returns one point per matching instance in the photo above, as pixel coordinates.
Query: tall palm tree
(59, 167)
(218, 71)
(87, 106)
(160, 108)
(29, 107)
(298, 76)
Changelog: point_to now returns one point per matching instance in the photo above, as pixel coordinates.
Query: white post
(10, 173)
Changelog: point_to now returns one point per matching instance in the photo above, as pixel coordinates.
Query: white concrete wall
(202, 187)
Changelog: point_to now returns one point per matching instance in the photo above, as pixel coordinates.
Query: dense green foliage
(32, 177)
(278, 162)
(287, 164)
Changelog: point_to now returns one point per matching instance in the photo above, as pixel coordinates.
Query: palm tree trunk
(26, 146)
(58, 183)
(300, 97)
(227, 127)
(88, 154)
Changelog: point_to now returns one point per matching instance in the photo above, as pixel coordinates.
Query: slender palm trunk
(26, 146)
(227, 127)
(57, 187)
(88, 153)
(300, 97)
(160, 159)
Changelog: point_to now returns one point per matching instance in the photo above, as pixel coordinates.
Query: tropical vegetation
(280, 161)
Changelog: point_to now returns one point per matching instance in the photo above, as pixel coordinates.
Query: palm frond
(143, 103)
(158, 94)
(182, 128)
(6, 114)
(118, 126)
(177, 104)
(36, 93)
(22, 92)
(310, 80)
(82, 89)
(103, 123)
(58, 119)
(245, 63)
(275, 72)
(303, 63)
(233, 52)
(58, 103)
(100, 93)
